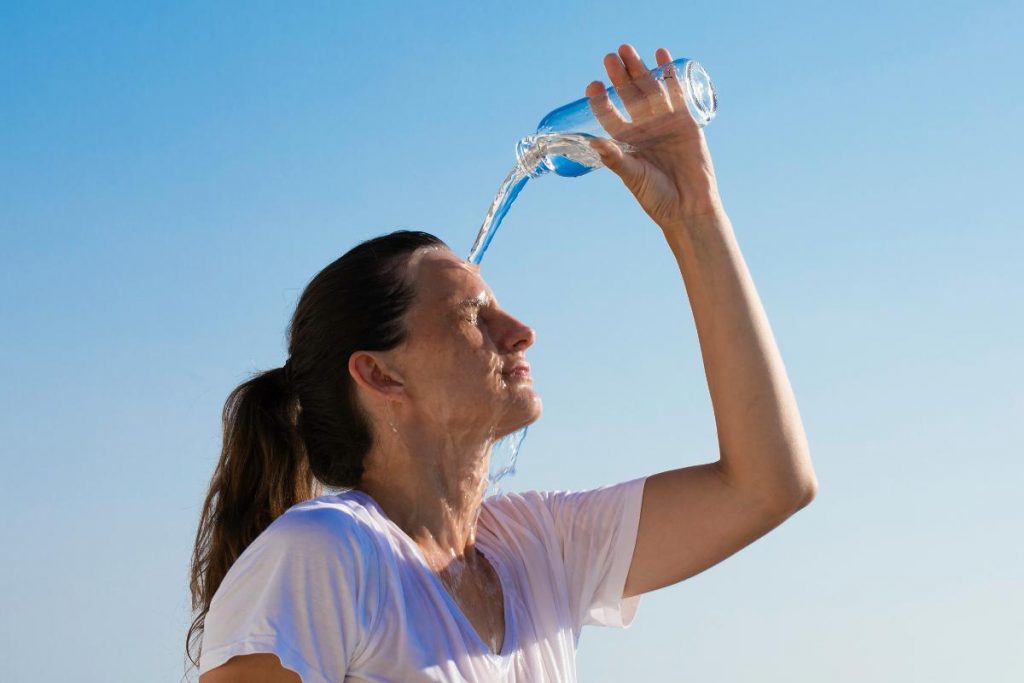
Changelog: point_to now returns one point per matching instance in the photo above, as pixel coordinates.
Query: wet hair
(291, 430)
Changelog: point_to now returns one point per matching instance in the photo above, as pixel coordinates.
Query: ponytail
(263, 470)
(276, 453)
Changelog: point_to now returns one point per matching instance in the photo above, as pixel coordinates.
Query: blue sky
(172, 175)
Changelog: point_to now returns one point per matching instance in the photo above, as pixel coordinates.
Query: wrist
(711, 218)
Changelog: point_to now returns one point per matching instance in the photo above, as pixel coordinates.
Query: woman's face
(456, 364)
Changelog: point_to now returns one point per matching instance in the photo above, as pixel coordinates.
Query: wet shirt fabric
(339, 592)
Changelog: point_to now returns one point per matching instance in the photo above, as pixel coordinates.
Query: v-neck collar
(511, 640)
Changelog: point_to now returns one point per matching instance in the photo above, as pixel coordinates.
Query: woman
(403, 372)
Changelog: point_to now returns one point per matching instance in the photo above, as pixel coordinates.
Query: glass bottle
(560, 143)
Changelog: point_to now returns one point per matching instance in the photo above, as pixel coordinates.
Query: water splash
(504, 455)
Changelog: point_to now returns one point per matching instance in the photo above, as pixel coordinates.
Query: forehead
(442, 278)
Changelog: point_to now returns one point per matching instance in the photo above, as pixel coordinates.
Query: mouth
(518, 370)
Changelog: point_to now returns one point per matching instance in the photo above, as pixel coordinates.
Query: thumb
(627, 167)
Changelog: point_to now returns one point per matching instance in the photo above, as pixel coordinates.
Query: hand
(669, 169)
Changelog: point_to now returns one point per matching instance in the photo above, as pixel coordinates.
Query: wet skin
(439, 401)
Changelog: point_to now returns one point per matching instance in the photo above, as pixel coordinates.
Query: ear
(373, 372)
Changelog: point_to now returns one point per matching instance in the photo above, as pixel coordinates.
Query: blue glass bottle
(560, 143)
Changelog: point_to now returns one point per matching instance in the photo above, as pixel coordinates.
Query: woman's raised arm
(694, 517)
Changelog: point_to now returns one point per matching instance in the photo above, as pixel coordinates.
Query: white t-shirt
(339, 592)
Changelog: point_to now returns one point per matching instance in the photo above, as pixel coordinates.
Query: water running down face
(463, 367)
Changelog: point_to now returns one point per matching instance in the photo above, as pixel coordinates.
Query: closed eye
(473, 306)
(472, 311)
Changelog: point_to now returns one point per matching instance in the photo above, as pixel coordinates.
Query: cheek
(478, 373)
(462, 370)
(462, 364)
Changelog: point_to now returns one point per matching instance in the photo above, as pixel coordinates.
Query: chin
(525, 414)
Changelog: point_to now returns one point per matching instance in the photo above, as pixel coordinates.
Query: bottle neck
(532, 158)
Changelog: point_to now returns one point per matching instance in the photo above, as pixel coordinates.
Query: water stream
(566, 155)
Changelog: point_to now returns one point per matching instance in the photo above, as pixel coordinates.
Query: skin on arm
(694, 517)
(255, 668)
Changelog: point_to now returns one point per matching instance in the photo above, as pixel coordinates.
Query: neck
(432, 490)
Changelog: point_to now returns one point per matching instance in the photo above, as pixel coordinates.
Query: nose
(520, 335)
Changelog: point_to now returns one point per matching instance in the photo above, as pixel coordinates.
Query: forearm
(762, 444)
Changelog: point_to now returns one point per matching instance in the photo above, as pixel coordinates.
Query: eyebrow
(478, 300)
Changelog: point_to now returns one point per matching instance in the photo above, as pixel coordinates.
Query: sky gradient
(172, 176)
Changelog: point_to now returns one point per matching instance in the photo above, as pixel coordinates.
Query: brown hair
(291, 430)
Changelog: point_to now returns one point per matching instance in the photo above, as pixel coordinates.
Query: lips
(518, 370)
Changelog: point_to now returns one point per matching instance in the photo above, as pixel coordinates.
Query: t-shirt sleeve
(306, 590)
(597, 530)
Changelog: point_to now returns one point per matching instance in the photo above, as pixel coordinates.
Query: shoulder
(520, 507)
(308, 589)
(325, 545)
(334, 516)
(521, 516)
(550, 503)
(558, 511)
(327, 531)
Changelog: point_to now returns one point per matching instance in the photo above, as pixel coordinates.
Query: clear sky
(173, 174)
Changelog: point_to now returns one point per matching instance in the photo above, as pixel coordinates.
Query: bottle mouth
(532, 158)
(701, 98)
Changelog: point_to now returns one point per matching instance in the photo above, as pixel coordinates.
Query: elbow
(810, 491)
(802, 484)
(805, 493)
(785, 492)
(796, 496)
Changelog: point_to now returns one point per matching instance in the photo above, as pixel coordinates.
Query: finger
(673, 79)
(655, 97)
(632, 98)
(607, 114)
(626, 166)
